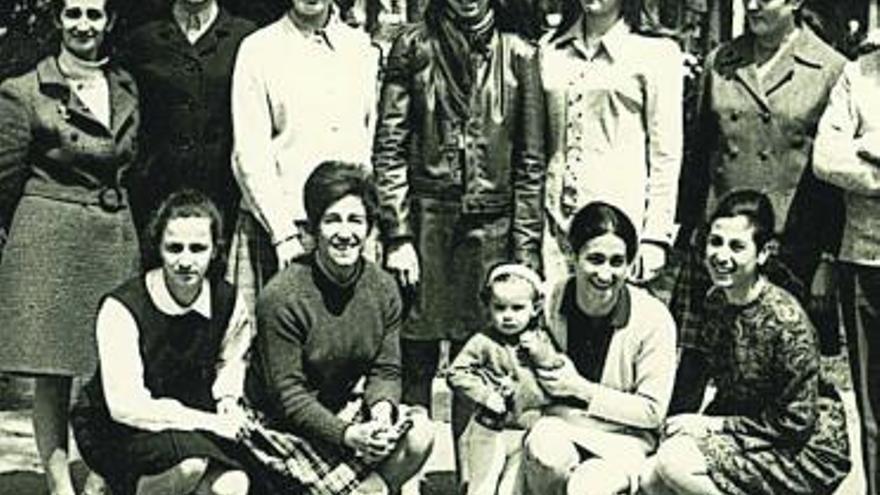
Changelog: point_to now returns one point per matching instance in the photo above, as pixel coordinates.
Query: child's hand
(496, 403)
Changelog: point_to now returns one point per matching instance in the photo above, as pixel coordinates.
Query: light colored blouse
(122, 371)
(297, 100)
(615, 126)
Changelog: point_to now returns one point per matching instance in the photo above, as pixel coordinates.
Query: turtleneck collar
(76, 68)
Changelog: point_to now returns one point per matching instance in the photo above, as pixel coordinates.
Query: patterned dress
(784, 432)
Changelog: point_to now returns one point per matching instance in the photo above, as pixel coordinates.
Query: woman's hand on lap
(565, 381)
(372, 440)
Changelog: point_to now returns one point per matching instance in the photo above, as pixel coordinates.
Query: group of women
(563, 157)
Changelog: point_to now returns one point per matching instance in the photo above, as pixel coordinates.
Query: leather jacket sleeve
(391, 142)
(529, 166)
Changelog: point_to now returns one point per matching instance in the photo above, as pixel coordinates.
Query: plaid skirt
(296, 465)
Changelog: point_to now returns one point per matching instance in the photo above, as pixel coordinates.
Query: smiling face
(602, 8)
(732, 257)
(600, 272)
(341, 233)
(468, 10)
(84, 23)
(771, 18)
(187, 249)
(512, 305)
(310, 9)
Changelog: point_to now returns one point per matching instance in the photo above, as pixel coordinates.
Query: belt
(109, 198)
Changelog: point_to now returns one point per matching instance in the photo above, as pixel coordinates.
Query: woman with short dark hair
(328, 320)
(616, 380)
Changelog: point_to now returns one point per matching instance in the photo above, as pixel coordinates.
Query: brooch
(63, 112)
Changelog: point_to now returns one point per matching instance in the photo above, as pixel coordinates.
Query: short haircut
(597, 219)
(753, 205)
(332, 181)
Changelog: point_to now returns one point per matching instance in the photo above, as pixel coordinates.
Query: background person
(459, 164)
(182, 62)
(68, 131)
(847, 154)
(286, 122)
(161, 414)
(614, 105)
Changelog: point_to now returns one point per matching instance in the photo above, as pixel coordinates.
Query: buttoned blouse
(615, 126)
(297, 100)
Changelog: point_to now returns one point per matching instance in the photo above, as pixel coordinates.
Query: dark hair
(110, 6)
(186, 203)
(332, 181)
(597, 219)
(753, 205)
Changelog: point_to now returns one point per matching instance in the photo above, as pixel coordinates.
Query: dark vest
(179, 353)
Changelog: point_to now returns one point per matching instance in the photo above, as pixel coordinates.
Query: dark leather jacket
(492, 161)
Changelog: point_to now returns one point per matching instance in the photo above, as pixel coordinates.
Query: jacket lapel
(123, 99)
(53, 83)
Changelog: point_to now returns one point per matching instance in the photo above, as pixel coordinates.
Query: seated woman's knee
(234, 482)
(548, 444)
(597, 477)
(419, 440)
(192, 470)
(674, 462)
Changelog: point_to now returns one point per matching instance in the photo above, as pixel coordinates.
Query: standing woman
(182, 63)
(759, 105)
(614, 99)
(459, 163)
(616, 380)
(67, 139)
(773, 425)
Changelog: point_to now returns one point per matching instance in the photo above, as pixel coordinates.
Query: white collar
(206, 16)
(164, 301)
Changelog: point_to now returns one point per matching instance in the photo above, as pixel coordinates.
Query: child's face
(512, 305)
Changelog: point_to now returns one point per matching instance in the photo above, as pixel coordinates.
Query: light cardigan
(636, 384)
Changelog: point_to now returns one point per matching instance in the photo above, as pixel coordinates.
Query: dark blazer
(185, 103)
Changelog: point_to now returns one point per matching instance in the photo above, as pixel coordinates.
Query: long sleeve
(233, 359)
(529, 166)
(122, 374)
(654, 363)
(789, 417)
(383, 377)
(391, 143)
(15, 141)
(468, 369)
(280, 344)
(664, 125)
(838, 140)
(700, 142)
(254, 162)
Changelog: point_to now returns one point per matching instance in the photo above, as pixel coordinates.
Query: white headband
(518, 270)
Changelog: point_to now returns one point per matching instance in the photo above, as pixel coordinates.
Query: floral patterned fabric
(784, 432)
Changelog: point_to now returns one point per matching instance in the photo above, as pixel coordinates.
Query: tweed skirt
(59, 261)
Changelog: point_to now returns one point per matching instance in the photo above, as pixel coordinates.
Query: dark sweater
(316, 338)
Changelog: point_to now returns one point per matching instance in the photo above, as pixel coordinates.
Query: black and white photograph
(439, 247)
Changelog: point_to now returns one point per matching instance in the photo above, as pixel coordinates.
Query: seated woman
(161, 413)
(772, 427)
(327, 320)
(616, 380)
